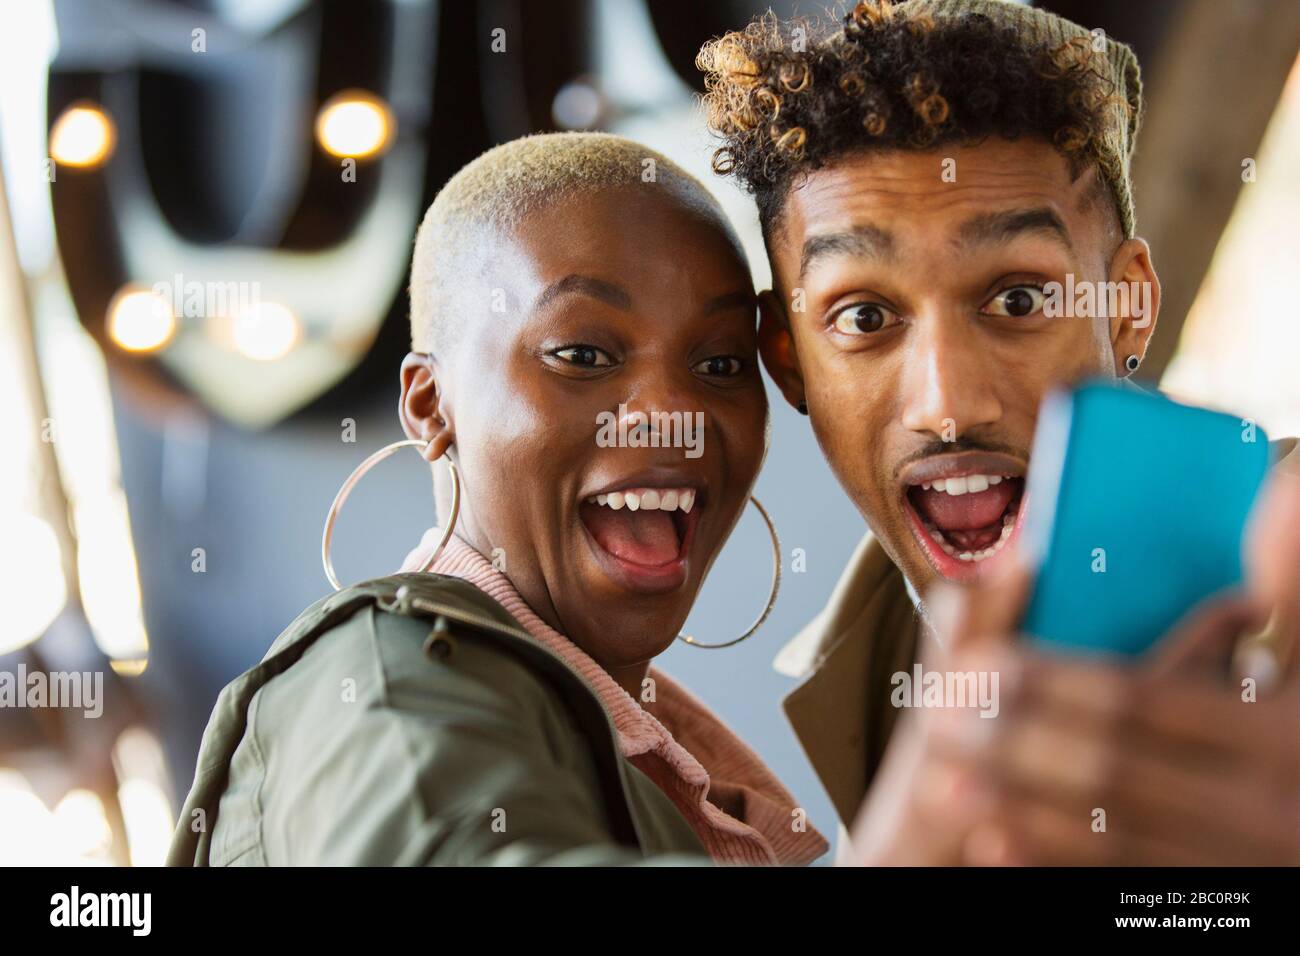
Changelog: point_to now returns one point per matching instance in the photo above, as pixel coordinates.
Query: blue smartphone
(1136, 510)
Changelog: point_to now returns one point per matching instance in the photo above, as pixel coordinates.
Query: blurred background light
(32, 585)
(110, 584)
(354, 123)
(83, 136)
(140, 320)
(83, 824)
(266, 331)
(146, 812)
(75, 833)
(578, 105)
(28, 834)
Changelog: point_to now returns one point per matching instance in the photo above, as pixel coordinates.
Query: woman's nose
(662, 413)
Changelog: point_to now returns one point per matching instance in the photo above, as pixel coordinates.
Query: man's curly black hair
(789, 97)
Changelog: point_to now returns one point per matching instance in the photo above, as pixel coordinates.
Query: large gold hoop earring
(357, 474)
(771, 598)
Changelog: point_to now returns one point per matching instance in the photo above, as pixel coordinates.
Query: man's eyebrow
(863, 240)
(574, 284)
(1000, 227)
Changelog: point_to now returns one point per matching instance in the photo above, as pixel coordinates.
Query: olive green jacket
(411, 720)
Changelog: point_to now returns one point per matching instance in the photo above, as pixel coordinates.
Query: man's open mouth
(642, 535)
(964, 517)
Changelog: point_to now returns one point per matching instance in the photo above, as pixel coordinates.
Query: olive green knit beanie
(1040, 28)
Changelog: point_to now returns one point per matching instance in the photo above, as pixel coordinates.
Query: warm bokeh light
(266, 331)
(75, 833)
(81, 820)
(26, 824)
(354, 123)
(110, 581)
(83, 136)
(32, 585)
(146, 811)
(140, 320)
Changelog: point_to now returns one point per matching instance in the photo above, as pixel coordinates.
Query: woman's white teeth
(649, 499)
(963, 485)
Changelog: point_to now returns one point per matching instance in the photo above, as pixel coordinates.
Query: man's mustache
(939, 447)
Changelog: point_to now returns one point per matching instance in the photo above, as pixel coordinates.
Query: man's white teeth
(648, 499)
(963, 485)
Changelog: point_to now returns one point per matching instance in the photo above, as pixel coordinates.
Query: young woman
(584, 373)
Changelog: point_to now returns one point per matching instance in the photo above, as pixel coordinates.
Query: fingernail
(1260, 663)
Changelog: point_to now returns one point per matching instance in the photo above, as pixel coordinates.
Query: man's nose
(949, 385)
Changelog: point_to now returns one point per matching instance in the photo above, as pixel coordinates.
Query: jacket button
(439, 645)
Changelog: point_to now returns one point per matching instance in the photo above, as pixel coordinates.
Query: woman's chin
(633, 613)
(627, 639)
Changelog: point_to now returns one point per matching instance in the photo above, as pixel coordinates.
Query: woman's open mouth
(642, 535)
(965, 520)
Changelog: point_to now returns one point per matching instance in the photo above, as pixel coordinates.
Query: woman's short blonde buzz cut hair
(494, 192)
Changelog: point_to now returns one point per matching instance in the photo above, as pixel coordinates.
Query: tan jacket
(846, 656)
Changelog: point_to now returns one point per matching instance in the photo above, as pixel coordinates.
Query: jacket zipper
(403, 601)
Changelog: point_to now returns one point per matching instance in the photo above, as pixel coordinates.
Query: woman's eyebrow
(740, 299)
(574, 284)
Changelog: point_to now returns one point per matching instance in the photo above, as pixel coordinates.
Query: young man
(926, 175)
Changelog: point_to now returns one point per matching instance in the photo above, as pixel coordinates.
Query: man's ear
(776, 346)
(1131, 330)
(422, 406)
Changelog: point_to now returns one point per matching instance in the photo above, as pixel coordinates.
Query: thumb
(1205, 638)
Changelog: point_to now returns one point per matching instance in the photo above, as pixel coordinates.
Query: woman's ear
(776, 345)
(422, 406)
(1138, 297)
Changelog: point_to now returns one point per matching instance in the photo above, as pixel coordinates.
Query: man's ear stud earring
(803, 408)
(1131, 363)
